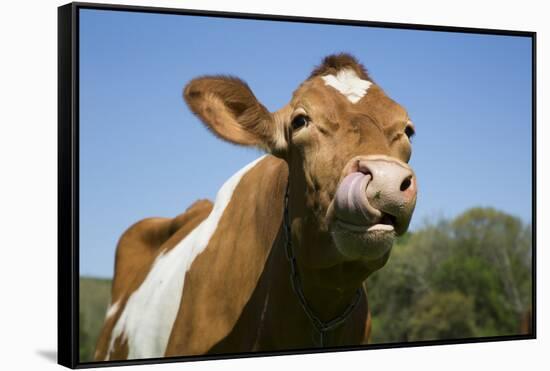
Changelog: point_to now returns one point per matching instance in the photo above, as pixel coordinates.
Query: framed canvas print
(237, 185)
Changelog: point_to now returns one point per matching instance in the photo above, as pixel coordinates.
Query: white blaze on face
(149, 314)
(349, 84)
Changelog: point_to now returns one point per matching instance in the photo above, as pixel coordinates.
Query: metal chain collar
(321, 326)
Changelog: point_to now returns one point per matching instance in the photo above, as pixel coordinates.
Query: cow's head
(347, 145)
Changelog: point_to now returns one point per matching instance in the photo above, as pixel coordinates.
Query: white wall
(28, 150)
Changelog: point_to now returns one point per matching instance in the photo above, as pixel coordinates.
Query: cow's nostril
(406, 184)
(363, 168)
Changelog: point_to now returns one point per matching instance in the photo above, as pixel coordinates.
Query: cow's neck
(254, 218)
(323, 315)
(329, 286)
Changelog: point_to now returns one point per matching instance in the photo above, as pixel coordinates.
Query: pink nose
(377, 189)
(392, 188)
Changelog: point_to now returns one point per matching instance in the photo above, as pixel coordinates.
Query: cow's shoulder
(136, 252)
(233, 262)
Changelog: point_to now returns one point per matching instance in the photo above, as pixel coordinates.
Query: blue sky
(143, 153)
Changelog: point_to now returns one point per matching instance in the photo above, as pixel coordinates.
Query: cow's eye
(299, 122)
(409, 132)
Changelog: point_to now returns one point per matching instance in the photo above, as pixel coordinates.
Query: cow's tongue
(350, 203)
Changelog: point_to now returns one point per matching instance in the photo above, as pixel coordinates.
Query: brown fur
(237, 295)
(336, 62)
(230, 108)
(261, 313)
(233, 261)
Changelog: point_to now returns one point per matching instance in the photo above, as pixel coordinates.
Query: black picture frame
(68, 177)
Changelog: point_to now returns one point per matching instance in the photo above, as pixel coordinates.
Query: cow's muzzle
(374, 201)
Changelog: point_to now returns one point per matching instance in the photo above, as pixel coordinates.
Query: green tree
(453, 279)
(456, 308)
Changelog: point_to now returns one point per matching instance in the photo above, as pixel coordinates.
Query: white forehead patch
(348, 83)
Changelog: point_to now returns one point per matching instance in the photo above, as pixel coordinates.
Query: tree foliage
(467, 277)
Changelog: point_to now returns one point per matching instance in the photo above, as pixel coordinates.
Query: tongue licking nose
(380, 192)
(351, 203)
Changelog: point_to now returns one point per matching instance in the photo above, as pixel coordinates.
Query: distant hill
(95, 296)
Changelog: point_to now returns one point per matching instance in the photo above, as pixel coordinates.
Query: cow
(280, 259)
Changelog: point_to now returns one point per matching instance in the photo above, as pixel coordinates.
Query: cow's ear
(229, 108)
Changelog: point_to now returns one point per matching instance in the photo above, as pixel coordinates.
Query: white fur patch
(111, 311)
(147, 319)
(348, 83)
